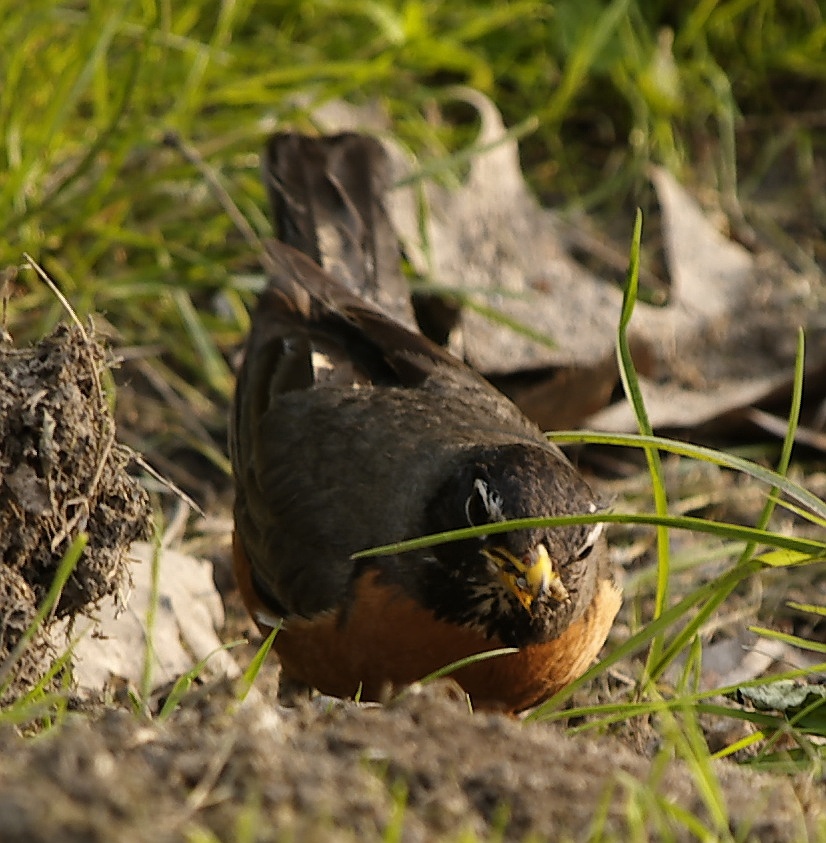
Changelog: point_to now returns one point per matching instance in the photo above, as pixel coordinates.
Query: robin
(351, 430)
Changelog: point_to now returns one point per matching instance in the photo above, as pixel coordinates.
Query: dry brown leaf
(492, 240)
(727, 339)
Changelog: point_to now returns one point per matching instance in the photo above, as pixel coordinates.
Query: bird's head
(541, 577)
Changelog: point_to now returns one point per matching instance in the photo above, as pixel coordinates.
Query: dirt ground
(421, 769)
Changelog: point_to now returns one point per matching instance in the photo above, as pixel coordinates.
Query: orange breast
(385, 641)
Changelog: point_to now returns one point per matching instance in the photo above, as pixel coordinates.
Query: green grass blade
(184, 682)
(248, 679)
(151, 618)
(216, 370)
(464, 662)
(807, 607)
(591, 41)
(796, 640)
(64, 571)
(633, 393)
(807, 548)
(805, 498)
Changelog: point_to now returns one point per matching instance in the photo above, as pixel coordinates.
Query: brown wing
(307, 301)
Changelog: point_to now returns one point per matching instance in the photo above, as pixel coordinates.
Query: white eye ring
(590, 540)
(492, 502)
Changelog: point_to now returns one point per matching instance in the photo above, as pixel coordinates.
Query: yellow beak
(529, 577)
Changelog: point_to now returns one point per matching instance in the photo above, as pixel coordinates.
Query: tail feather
(326, 196)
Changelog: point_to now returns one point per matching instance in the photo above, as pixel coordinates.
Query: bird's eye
(484, 505)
